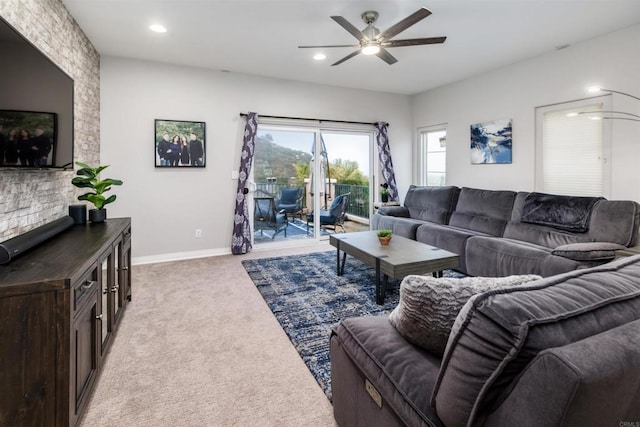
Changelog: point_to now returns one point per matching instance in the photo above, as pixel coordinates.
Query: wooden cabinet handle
(88, 284)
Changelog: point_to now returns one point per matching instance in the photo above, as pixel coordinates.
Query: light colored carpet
(198, 346)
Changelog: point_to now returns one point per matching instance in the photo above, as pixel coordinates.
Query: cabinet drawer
(83, 288)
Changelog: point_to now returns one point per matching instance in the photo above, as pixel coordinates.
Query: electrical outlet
(198, 233)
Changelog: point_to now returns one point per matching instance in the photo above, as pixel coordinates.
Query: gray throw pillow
(428, 306)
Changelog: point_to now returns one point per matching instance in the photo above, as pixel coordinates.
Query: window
(433, 156)
(571, 149)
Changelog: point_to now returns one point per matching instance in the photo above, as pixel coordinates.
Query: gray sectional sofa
(561, 350)
(558, 351)
(500, 233)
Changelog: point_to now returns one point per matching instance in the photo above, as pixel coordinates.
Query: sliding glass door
(299, 172)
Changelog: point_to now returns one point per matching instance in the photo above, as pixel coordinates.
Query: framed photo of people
(180, 144)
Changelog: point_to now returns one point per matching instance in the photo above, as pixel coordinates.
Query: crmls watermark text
(629, 424)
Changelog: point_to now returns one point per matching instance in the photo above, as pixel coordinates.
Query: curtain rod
(315, 120)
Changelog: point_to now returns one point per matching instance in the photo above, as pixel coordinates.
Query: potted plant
(89, 177)
(384, 236)
(384, 192)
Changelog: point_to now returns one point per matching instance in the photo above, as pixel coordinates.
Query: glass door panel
(349, 156)
(283, 196)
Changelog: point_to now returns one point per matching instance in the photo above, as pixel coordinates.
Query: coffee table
(401, 257)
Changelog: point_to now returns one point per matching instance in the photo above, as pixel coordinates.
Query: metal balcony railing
(359, 201)
(358, 204)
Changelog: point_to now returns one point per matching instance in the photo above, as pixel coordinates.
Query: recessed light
(319, 56)
(157, 28)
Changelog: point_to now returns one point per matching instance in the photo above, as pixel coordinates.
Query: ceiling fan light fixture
(370, 49)
(319, 56)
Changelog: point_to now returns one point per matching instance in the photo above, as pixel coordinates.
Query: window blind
(572, 152)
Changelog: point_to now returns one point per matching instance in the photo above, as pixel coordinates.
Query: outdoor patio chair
(333, 217)
(290, 201)
(267, 217)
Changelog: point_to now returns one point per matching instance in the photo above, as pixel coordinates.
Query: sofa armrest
(588, 251)
(399, 211)
(592, 382)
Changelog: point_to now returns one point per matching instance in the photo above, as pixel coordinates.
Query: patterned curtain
(241, 241)
(386, 166)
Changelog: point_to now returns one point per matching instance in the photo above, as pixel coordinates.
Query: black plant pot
(384, 198)
(97, 215)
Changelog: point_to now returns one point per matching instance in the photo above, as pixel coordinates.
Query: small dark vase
(384, 198)
(97, 215)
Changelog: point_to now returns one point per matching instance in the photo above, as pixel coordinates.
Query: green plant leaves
(88, 177)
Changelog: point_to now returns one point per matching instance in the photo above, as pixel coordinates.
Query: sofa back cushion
(614, 221)
(433, 204)
(486, 211)
(497, 333)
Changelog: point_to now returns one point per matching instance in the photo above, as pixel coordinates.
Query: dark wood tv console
(60, 307)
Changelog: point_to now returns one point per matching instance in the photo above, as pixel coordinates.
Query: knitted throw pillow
(428, 306)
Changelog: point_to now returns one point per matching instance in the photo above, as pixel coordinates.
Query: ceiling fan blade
(349, 27)
(334, 45)
(386, 56)
(414, 42)
(404, 24)
(351, 55)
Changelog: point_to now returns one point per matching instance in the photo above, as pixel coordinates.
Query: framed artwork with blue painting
(491, 142)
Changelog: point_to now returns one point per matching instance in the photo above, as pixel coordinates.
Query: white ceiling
(260, 37)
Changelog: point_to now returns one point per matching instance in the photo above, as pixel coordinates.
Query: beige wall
(30, 199)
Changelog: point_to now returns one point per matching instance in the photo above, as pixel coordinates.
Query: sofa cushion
(615, 221)
(590, 383)
(405, 227)
(399, 371)
(428, 306)
(446, 237)
(486, 211)
(499, 256)
(589, 251)
(497, 333)
(433, 204)
(563, 212)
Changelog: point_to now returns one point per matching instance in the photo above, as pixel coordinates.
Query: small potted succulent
(384, 192)
(384, 236)
(89, 177)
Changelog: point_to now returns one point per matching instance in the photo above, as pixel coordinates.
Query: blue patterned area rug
(308, 298)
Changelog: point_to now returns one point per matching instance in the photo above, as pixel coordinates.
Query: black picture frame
(38, 147)
(190, 138)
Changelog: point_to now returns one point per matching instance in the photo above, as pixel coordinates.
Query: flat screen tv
(36, 107)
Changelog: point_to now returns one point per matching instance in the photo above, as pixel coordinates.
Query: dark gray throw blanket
(562, 212)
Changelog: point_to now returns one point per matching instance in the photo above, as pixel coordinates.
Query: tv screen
(36, 107)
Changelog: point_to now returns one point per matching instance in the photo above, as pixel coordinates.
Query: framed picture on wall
(491, 142)
(180, 144)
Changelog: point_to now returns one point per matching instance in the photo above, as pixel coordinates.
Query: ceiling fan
(374, 42)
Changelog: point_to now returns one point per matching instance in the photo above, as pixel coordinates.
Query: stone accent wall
(30, 199)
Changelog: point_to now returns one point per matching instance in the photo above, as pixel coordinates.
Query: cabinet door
(125, 272)
(116, 287)
(105, 308)
(85, 348)
(28, 359)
